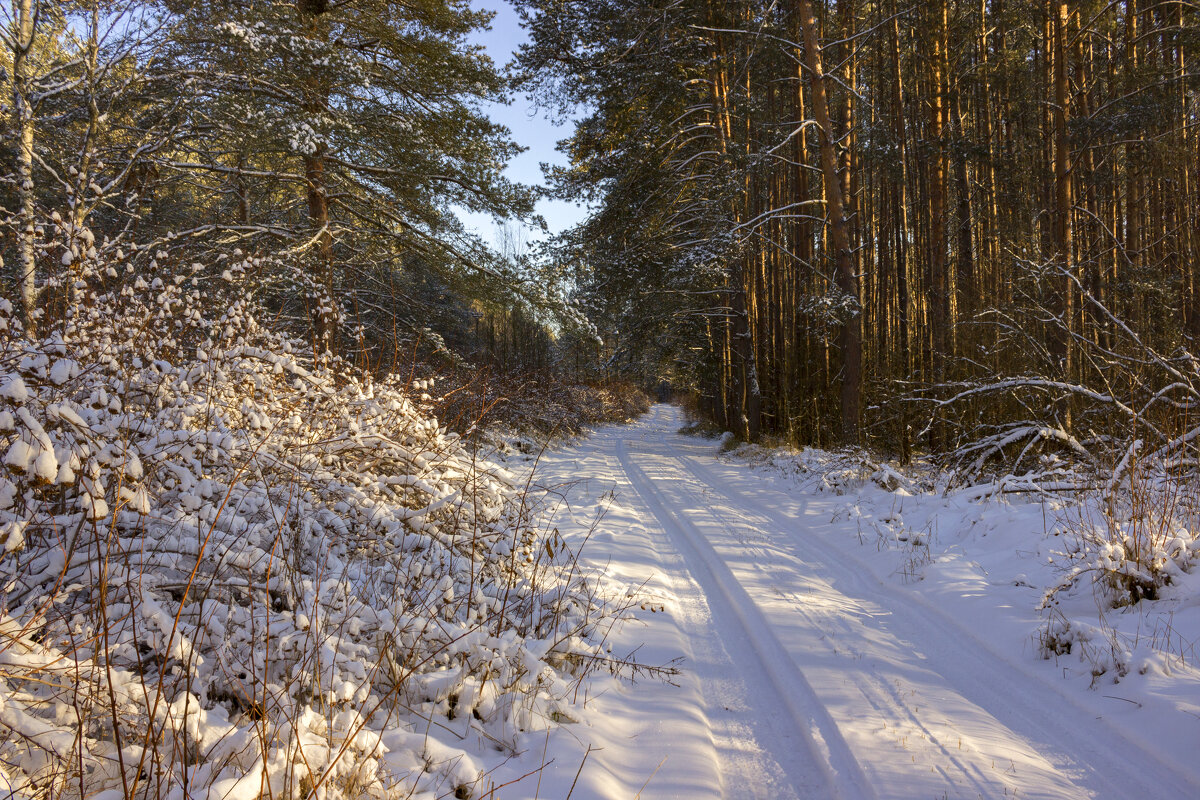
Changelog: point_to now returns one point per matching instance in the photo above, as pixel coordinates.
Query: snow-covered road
(806, 672)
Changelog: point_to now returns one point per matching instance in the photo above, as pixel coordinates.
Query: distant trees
(956, 188)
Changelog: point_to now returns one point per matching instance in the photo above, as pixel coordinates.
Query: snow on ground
(839, 640)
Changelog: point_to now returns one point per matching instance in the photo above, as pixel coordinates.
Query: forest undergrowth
(524, 410)
(230, 571)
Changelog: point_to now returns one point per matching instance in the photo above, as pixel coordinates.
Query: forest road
(818, 679)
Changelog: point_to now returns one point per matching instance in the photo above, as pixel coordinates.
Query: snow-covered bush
(230, 572)
(1127, 543)
(1096, 645)
(1138, 536)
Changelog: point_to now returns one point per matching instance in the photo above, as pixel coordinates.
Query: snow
(13, 388)
(307, 582)
(846, 633)
(45, 467)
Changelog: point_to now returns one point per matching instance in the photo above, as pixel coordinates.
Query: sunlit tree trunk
(23, 121)
(849, 332)
(901, 223)
(939, 279)
(1062, 244)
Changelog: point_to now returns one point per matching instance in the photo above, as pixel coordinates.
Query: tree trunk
(963, 298)
(900, 205)
(324, 311)
(1133, 185)
(938, 282)
(1063, 201)
(24, 124)
(849, 333)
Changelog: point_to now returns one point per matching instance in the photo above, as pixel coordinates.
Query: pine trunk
(24, 124)
(849, 332)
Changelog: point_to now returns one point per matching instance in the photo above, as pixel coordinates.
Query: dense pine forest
(827, 221)
(273, 520)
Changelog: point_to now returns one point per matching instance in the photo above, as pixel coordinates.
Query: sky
(529, 127)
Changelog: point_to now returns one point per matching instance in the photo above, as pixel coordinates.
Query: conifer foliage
(330, 141)
(363, 116)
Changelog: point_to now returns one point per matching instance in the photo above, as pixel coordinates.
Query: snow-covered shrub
(1097, 646)
(230, 572)
(1127, 543)
(1135, 538)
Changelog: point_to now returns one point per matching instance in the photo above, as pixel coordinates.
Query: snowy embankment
(229, 573)
(844, 634)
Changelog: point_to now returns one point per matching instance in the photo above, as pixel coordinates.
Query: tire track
(973, 668)
(825, 755)
(881, 694)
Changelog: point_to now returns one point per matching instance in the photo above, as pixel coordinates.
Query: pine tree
(344, 134)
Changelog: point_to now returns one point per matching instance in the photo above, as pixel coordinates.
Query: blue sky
(529, 127)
